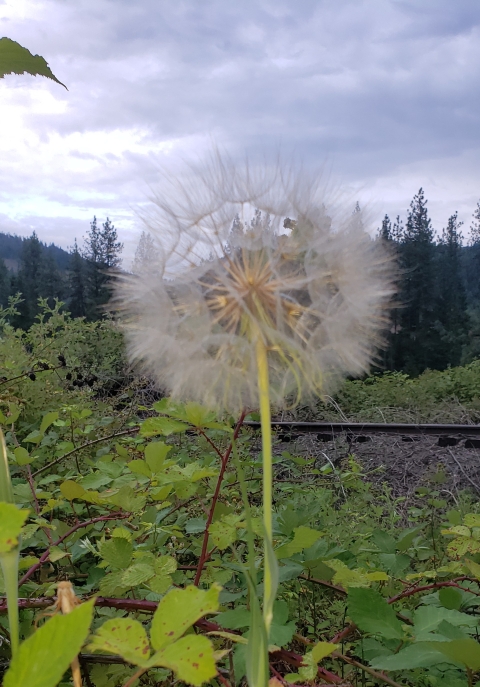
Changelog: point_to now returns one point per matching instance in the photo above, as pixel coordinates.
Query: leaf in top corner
(15, 59)
(11, 522)
(161, 426)
(125, 637)
(43, 658)
(179, 610)
(371, 613)
(191, 658)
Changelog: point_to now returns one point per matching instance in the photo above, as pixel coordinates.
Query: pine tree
(76, 281)
(385, 231)
(5, 284)
(28, 280)
(451, 312)
(417, 339)
(475, 227)
(146, 253)
(102, 253)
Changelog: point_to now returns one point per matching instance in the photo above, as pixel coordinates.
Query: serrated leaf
(125, 637)
(304, 537)
(110, 583)
(191, 659)
(139, 467)
(136, 574)
(155, 454)
(72, 490)
(15, 59)
(43, 658)
(426, 619)
(371, 613)
(347, 577)
(126, 499)
(117, 552)
(161, 426)
(11, 522)
(165, 565)
(178, 610)
(466, 651)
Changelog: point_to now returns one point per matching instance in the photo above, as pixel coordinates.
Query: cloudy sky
(383, 94)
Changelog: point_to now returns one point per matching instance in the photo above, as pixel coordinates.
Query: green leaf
(418, 655)
(304, 537)
(178, 610)
(466, 651)
(136, 574)
(48, 419)
(139, 467)
(371, 613)
(44, 657)
(22, 456)
(125, 637)
(72, 490)
(164, 566)
(450, 598)
(126, 499)
(11, 522)
(234, 619)
(191, 659)
(155, 454)
(117, 552)
(322, 649)
(222, 534)
(55, 553)
(155, 426)
(15, 59)
(427, 619)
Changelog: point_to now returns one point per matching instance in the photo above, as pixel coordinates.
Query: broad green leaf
(15, 59)
(48, 419)
(222, 534)
(472, 520)
(125, 637)
(117, 552)
(178, 610)
(164, 566)
(322, 649)
(418, 655)
(466, 651)
(304, 537)
(55, 553)
(156, 426)
(111, 583)
(11, 522)
(136, 574)
(126, 499)
(72, 490)
(22, 456)
(155, 454)
(34, 437)
(195, 525)
(44, 657)
(139, 467)
(347, 577)
(473, 567)
(450, 598)
(191, 659)
(427, 618)
(235, 619)
(383, 541)
(371, 613)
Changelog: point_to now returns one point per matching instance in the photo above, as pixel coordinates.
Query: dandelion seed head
(244, 254)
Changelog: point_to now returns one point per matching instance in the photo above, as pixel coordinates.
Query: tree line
(434, 323)
(84, 285)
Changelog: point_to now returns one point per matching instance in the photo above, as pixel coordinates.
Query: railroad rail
(449, 435)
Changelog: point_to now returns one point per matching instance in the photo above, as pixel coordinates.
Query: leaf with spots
(124, 637)
(191, 659)
(178, 610)
(11, 523)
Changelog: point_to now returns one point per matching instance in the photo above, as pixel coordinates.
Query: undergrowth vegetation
(139, 528)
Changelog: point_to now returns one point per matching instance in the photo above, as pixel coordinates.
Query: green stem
(265, 419)
(9, 563)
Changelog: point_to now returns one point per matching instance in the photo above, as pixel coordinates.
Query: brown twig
(204, 555)
(78, 526)
(324, 583)
(85, 445)
(131, 680)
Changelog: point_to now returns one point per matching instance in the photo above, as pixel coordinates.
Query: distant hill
(11, 250)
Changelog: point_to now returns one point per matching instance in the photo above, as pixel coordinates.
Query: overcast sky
(385, 94)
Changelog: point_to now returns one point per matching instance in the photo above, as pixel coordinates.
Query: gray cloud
(387, 92)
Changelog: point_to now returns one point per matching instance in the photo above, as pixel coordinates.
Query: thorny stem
(132, 430)
(265, 420)
(223, 466)
(78, 526)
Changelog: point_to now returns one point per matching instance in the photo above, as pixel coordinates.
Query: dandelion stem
(264, 394)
